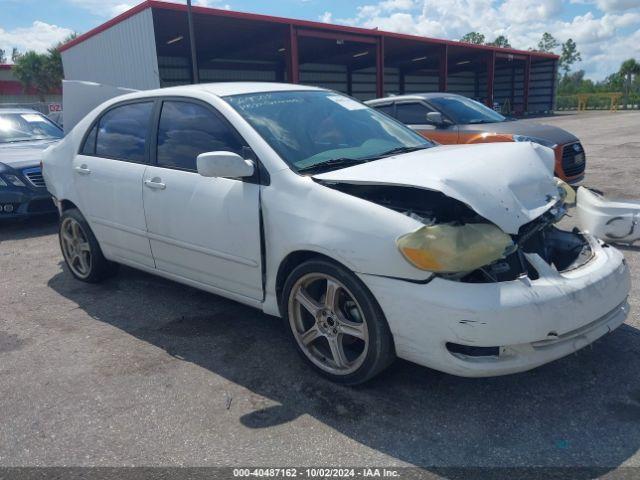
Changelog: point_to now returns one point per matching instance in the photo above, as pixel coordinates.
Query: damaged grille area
(559, 248)
(562, 250)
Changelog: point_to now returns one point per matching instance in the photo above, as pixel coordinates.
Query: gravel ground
(143, 371)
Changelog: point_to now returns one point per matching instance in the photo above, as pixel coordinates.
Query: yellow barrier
(583, 99)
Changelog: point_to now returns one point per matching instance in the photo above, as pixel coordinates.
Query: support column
(491, 71)
(525, 87)
(380, 67)
(293, 68)
(443, 69)
(195, 71)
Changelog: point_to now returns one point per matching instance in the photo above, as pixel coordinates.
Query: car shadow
(581, 411)
(31, 227)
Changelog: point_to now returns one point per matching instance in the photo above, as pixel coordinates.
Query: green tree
(14, 54)
(41, 71)
(628, 70)
(30, 70)
(500, 41)
(547, 43)
(3, 56)
(473, 37)
(569, 55)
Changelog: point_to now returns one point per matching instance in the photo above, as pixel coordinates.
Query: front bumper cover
(25, 202)
(532, 321)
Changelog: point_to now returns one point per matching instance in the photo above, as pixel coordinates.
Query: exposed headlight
(13, 180)
(541, 141)
(567, 193)
(450, 248)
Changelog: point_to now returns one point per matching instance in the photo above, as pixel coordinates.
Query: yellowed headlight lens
(451, 248)
(567, 192)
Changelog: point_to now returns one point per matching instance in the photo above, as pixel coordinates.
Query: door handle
(154, 184)
(82, 170)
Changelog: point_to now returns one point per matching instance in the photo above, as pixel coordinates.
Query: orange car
(448, 118)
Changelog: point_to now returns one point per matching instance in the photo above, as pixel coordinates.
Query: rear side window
(412, 113)
(188, 129)
(122, 132)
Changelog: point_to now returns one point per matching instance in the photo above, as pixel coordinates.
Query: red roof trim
(288, 21)
(5, 66)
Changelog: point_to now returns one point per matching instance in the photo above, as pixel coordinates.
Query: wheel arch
(291, 261)
(67, 205)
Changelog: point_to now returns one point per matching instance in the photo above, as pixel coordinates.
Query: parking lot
(142, 371)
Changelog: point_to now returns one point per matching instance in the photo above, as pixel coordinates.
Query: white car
(367, 239)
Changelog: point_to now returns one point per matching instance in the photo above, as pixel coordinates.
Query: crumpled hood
(509, 184)
(23, 154)
(530, 129)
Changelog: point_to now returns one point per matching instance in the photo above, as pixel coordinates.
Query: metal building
(148, 47)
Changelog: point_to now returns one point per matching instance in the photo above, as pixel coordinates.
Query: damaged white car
(369, 241)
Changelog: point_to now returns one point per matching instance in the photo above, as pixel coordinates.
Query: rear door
(414, 114)
(108, 175)
(206, 230)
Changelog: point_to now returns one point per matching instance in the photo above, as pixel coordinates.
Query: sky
(606, 31)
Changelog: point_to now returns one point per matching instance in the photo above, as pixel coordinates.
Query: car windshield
(27, 126)
(312, 130)
(463, 110)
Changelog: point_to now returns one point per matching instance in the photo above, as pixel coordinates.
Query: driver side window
(188, 129)
(413, 113)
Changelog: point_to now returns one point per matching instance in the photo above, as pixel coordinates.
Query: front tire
(336, 323)
(81, 250)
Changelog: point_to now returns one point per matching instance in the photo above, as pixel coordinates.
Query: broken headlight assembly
(567, 193)
(450, 248)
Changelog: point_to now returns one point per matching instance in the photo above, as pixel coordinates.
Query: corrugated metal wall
(464, 83)
(542, 86)
(508, 87)
(123, 55)
(414, 82)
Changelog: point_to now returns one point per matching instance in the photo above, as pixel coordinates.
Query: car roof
(223, 89)
(413, 96)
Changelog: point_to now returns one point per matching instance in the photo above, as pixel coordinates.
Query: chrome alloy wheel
(328, 324)
(75, 247)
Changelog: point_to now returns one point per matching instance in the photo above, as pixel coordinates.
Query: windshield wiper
(332, 162)
(397, 150)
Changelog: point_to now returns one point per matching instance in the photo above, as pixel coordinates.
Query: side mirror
(435, 118)
(224, 165)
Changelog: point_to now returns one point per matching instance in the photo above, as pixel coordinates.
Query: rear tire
(336, 323)
(80, 249)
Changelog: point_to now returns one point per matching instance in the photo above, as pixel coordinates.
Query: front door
(108, 178)
(414, 115)
(206, 230)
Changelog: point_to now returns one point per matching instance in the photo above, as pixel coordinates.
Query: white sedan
(366, 238)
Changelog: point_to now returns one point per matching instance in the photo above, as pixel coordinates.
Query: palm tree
(628, 70)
